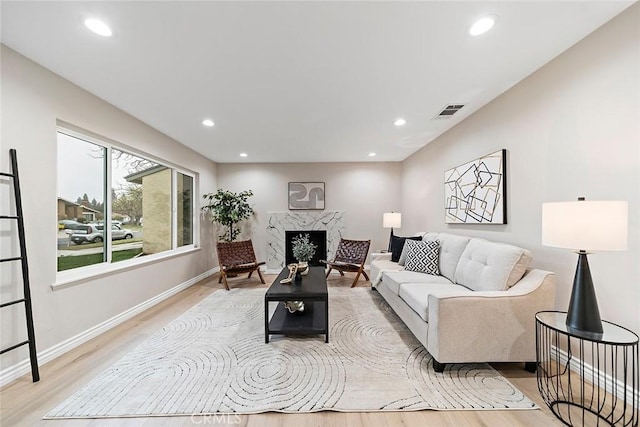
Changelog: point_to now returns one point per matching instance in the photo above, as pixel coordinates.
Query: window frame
(107, 266)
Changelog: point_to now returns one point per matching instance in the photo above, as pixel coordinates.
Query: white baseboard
(21, 368)
(575, 365)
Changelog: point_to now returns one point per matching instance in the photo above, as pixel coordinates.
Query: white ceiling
(298, 81)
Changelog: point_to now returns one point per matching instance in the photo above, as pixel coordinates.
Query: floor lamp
(585, 226)
(391, 220)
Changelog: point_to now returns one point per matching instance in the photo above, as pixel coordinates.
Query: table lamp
(391, 220)
(585, 226)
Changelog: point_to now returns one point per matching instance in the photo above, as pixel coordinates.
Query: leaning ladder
(26, 299)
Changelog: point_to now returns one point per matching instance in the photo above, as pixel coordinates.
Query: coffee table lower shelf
(313, 321)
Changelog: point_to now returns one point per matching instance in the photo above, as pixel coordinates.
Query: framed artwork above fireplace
(306, 196)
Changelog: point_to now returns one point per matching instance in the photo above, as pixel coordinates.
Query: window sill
(71, 277)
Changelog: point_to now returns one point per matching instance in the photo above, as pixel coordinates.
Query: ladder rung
(8, 217)
(10, 259)
(6, 174)
(6, 304)
(14, 347)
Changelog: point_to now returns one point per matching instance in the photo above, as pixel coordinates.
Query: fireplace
(332, 222)
(317, 237)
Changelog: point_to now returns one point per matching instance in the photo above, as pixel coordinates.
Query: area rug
(213, 359)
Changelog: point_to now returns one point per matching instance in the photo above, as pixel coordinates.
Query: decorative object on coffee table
(475, 192)
(306, 195)
(585, 226)
(391, 220)
(303, 250)
(293, 270)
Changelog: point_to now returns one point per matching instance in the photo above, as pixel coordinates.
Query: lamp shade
(586, 225)
(392, 220)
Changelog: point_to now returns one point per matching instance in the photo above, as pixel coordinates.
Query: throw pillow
(423, 236)
(397, 243)
(403, 255)
(423, 256)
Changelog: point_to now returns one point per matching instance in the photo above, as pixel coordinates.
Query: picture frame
(306, 196)
(475, 192)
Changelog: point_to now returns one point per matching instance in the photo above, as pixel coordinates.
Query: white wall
(33, 99)
(363, 190)
(571, 129)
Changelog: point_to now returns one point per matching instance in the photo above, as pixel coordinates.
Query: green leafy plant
(228, 208)
(303, 248)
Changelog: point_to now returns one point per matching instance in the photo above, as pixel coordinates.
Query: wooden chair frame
(350, 257)
(237, 258)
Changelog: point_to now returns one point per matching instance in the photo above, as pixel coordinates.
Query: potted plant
(303, 251)
(228, 208)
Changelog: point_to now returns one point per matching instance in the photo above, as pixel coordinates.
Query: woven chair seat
(237, 258)
(350, 257)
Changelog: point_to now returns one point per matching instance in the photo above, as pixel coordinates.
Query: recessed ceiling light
(243, 154)
(482, 25)
(98, 27)
(372, 154)
(400, 122)
(208, 122)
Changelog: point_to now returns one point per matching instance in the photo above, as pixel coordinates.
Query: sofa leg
(438, 367)
(530, 367)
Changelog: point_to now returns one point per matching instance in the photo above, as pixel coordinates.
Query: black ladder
(25, 270)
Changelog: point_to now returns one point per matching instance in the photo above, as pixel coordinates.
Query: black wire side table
(586, 379)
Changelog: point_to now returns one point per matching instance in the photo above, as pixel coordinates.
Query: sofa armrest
(380, 256)
(491, 326)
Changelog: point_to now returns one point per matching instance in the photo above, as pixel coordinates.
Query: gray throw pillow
(403, 255)
(423, 256)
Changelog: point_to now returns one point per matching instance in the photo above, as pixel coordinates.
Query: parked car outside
(69, 224)
(93, 233)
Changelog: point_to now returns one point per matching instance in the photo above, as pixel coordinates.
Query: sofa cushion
(397, 243)
(451, 248)
(393, 279)
(491, 266)
(381, 264)
(422, 256)
(416, 295)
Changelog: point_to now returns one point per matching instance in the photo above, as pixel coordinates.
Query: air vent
(449, 111)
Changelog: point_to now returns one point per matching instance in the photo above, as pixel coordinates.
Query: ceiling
(298, 81)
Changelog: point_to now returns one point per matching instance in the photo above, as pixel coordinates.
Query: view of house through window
(81, 175)
(137, 220)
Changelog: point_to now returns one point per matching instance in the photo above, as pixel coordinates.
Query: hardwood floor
(23, 403)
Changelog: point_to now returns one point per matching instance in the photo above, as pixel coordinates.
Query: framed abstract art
(475, 192)
(306, 195)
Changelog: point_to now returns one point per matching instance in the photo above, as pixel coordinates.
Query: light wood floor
(23, 403)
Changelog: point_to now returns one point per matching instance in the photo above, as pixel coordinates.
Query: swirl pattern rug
(213, 359)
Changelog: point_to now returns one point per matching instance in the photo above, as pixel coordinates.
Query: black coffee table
(314, 320)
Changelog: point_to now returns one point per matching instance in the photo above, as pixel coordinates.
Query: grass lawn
(69, 262)
(74, 247)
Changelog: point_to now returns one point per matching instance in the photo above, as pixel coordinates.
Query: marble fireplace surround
(279, 222)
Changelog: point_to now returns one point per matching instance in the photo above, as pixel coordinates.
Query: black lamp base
(390, 239)
(583, 315)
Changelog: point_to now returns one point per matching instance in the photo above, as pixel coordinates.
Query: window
(149, 209)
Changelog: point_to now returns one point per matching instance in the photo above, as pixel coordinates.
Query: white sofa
(482, 306)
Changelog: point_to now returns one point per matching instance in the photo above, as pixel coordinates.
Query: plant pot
(303, 268)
